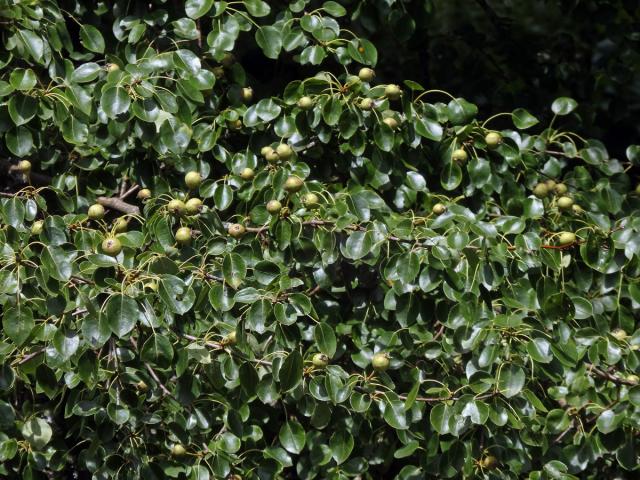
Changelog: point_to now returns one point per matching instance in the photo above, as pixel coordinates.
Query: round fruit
(235, 124)
(228, 60)
(247, 94)
(144, 194)
(183, 235)
(391, 122)
(142, 386)
(489, 462)
(121, 225)
(230, 339)
(193, 205)
(310, 200)
(439, 209)
(392, 92)
(320, 360)
(284, 151)
(177, 207)
(366, 74)
(459, 155)
(305, 103)
(551, 184)
(272, 156)
(493, 139)
(541, 190)
(380, 362)
(24, 166)
(112, 67)
(193, 180)
(293, 184)
(236, 230)
(560, 189)
(366, 104)
(274, 207)
(619, 334)
(177, 450)
(566, 238)
(111, 246)
(264, 151)
(633, 379)
(96, 212)
(577, 209)
(565, 203)
(247, 173)
(218, 72)
(153, 286)
(36, 227)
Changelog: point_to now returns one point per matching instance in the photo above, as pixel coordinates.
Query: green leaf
(563, 105)
(290, 374)
(523, 119)
(17, 323)
(197, 8)
(23, 79)
(257, 8)
(37, 432)
(91, 38)
(114, 101)
(269, 39)
(510, 381)
(325, 339)
(292, 436)
(341, 444)
(19, 141)
(358, 245)
(121, 313)
(87, 72)
(158, 351)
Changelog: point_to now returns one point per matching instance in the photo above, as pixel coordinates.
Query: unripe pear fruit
(272, 156)
(192, 180)
(392, 92)
(293, 184)
(235, 124)
(391, 122)
(284, 151)
(178, 450)
(459, 155)
(305, 103)
(541, 190)
(228, 60)
(153, 286)
(236, 230)
(142, 386)
(24, 166)
(36, 227)
(366, 104)
(320, 360)
(310, 200)
(560, 189)
(247, 94)
(111, 246)
(247, 173)
(380, 362)
(274, 207)
(112, 67)
(565, 203)
(121, 225)
(566, 238)
(493, 139)
(143, 194)
(551, 184)
(264, 151)
(96, 212)
(577, 209)
(633, 379)
(489, 462)
(231, 338)
(619, 334)
(193, 206)
(438, 209)
(366, 74)
(183, 235)
(177, 207)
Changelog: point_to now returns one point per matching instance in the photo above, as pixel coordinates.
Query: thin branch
(119, 205)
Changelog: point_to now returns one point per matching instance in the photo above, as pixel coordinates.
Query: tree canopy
(238, 241)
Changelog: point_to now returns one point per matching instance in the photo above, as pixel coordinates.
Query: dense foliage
(203, 275)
